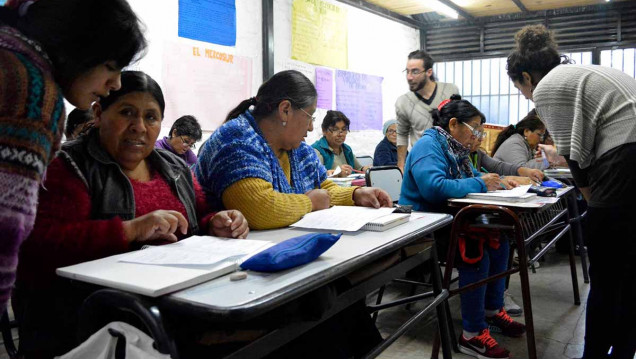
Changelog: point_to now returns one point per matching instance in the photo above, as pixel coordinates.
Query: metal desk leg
(573, 209)
(442, 310)
(575, 279)
(525, 293)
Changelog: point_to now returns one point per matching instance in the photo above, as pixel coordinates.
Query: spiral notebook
(385, 222)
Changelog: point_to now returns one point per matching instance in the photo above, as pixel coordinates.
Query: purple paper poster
(324, 87)
(359, 97)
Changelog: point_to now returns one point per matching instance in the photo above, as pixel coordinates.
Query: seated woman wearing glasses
(257, 162)
(184, 133)
(438, 168)
(331, 149)
(386, 151)
(517, 143)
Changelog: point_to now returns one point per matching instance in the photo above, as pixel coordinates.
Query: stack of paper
(517, 194)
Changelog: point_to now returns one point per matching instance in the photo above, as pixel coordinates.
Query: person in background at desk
(386, 151)
(517, 143)
(78, 123)
(413, 109)
(258, 163)
(50, 51)
(481, 161)
(590, 111)
(331, 149)
(438, 168)
(184, 133)
(107, 192)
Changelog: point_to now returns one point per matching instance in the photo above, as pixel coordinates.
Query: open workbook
(158, 270)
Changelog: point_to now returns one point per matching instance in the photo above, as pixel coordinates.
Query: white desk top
(352, 251)
(537, 202)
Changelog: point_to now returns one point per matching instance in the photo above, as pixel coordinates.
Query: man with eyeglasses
(413, 109)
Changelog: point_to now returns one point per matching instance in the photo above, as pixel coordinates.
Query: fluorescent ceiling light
(442, 9)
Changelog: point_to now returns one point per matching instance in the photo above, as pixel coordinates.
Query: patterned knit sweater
(31, 124)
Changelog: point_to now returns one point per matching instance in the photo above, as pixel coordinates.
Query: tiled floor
(559, 324)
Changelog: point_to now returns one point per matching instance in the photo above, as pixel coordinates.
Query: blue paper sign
(211, 21)
(359, 97)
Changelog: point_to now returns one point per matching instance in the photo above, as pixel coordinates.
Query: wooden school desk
(529, 221)
(221, 300)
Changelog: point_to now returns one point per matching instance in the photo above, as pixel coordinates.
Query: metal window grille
(620, 59)
(485, 83)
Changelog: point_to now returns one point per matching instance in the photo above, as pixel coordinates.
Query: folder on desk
(155, 271)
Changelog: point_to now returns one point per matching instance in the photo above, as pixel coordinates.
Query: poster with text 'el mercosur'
(319, 33)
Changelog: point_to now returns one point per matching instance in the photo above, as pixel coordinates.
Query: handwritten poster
(319, 33)
(359, 96)
(306, 69)
(324, 87)
(211, 21)
(204, 83)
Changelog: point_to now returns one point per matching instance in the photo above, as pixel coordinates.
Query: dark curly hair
(426, 58)
(187, 126)
(535, 52)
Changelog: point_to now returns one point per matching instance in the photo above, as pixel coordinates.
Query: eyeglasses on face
(414, 72)
(390, 132)
(191, 144)
(313, 118)
(476, 133)
(337, 131)
(541, 135)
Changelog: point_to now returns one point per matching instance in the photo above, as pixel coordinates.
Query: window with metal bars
(620, 59)
(485, 83)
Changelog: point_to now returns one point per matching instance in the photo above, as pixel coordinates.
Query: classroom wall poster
(211, 21)
(303, 67)
(359, 97)
(204, 83)
(319, 33)
(324, 87)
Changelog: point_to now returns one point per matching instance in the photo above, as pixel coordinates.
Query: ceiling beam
(388, 14)
(457, 8)
(520, 5)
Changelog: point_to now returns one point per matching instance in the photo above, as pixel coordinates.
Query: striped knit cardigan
(31, 124)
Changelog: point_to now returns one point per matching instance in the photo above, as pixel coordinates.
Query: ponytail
(242, 107)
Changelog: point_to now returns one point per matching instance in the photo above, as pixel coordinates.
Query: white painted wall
(377, 46)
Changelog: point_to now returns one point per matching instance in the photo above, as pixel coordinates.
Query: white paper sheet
(336, 172)
(342, 218)
(197, 250)
(508, 193)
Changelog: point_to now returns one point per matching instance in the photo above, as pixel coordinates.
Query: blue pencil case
(291, 253)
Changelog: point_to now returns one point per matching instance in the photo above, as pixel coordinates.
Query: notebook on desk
(165, 269)
(385, 222)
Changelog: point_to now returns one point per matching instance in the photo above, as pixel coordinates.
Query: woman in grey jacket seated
(517, 143)
(484, 163)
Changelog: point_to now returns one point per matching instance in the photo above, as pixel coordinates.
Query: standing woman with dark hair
(184, 133)
(590, 111)
(257, 162)
(518, 143)
(438, 168)
(331, 149)
(50, 50)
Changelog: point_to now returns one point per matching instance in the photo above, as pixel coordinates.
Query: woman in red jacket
(106, 193)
